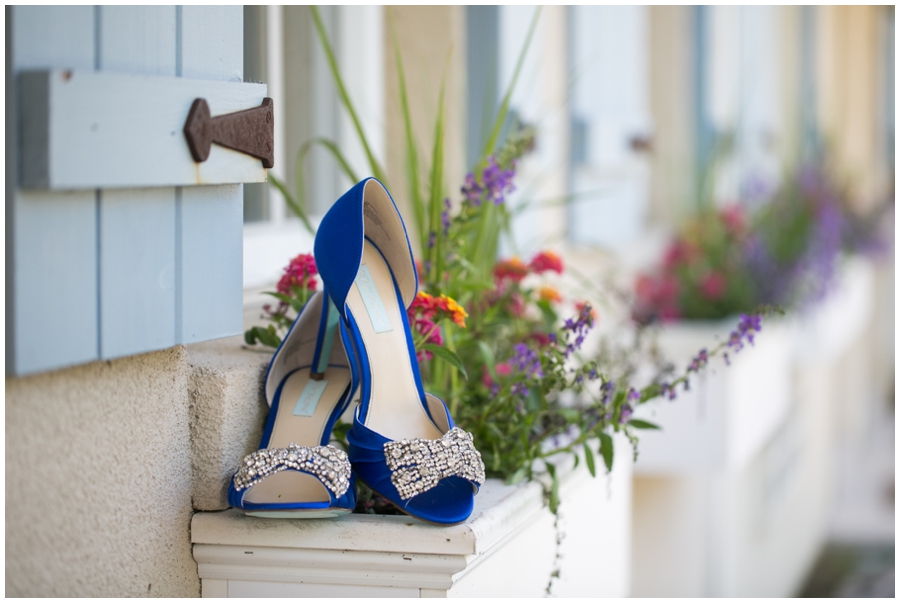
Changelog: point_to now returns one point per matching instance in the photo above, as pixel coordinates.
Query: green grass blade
(377, 171)
(436, 196)
(447, 356)
(295, 206)
(300, 204)
(491, 142)
(412, 155)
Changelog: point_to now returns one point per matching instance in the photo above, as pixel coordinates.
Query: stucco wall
(98, 480)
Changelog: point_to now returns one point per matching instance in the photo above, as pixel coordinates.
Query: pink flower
(667, 290)
(713, 286)
(516, 304)
(734, 219)
(300, 272)
(501, 368)
(669, 313)
(546, 261)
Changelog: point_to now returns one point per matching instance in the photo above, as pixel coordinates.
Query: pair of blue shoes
(356, 335)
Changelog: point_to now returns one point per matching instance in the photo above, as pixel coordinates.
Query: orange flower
(580, 307)
(457, 313)
(549, 294)
(513, 269)
(434, 308)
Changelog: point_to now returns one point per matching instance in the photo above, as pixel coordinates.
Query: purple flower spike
(471, 190)
(526, 361)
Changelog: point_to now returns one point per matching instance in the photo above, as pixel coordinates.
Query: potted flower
(751, 440)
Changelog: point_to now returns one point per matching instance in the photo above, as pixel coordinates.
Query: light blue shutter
(97, 274)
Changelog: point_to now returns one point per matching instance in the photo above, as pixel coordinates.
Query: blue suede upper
(338, 250)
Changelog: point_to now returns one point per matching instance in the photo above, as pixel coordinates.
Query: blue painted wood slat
(210, 229)
(52, 236)
(107, 273)
(137, 226)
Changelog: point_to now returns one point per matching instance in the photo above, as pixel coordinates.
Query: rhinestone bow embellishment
(418, 465)
(330, 465)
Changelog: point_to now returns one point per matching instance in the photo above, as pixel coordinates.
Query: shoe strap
(327, 330)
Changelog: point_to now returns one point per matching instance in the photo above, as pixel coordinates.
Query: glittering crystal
(330, 465)
(418, 465)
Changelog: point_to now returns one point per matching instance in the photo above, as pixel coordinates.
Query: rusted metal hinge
(251, 131)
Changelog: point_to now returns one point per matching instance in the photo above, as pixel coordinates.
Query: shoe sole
(299, 514)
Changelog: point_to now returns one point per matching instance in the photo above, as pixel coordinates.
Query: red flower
(546, 261)
(713, 286)
(680, 252)
(542, 339)
(300, 272)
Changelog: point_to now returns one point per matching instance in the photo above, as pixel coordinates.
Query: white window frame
(358, 44)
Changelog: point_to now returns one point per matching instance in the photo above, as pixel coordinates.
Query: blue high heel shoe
(403, 443)
(309, 384)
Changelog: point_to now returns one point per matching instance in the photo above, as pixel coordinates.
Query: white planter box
(829, 328)
(729, 412)
(753, 532)
(507, 548)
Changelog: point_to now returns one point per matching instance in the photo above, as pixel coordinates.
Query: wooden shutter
(116, 267)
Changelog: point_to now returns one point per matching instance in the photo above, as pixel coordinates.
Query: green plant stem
(412, 155)
(377, 171)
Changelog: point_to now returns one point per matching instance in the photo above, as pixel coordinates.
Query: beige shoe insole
(303, 430)
(394, 408)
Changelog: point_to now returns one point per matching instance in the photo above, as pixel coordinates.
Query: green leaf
(651, 391)
(554, 489)
(488, 357)
(589, 460)
(504, 105)
(606, 450)
(436, 196)
(447, 356)
(641, 424)
(279, 296)
(265, 336)
(296, 304)
(518, 476)
(377, 171)
(412, 155)
(474, 286)
(575, 464)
